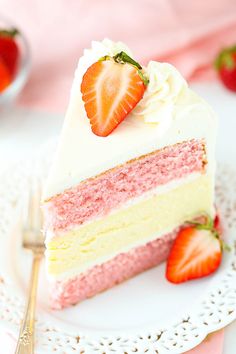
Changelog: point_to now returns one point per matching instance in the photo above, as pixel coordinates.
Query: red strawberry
(5, 77)
(111, 88)
(196, 253)
(9, 50)
(226, 67)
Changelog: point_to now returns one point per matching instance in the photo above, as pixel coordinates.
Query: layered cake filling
(139, 223)
(101, 195)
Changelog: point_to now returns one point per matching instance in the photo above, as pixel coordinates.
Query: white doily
(216, 309)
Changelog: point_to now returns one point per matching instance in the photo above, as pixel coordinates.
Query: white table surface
(22, 131)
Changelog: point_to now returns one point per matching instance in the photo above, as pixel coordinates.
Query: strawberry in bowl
(14, 62)
(9, 56)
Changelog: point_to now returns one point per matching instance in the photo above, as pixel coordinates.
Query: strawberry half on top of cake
(135, 161)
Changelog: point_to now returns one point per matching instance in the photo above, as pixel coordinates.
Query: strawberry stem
(9, 32)
(122, 58)
(225, 59)
(143, 77)
(106, 57)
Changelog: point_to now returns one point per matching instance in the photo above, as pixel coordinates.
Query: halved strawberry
(5, 77)
(196, 252)
(111, 88)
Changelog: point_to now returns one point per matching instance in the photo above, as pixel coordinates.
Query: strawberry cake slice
(135, 161)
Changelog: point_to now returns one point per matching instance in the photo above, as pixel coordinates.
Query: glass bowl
(20, 78)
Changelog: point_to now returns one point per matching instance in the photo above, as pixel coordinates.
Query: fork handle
(25, 344)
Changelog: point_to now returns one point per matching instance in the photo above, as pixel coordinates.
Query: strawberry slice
(5, 77)
(111, 88)
(196, 253)
(9, 51)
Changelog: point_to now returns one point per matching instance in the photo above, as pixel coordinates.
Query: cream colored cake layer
(140, 223)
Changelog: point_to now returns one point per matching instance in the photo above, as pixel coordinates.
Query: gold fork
(33, 240)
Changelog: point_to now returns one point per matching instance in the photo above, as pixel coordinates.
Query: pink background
(186, 33)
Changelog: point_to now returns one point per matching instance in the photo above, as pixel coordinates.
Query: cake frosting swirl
(165, 86)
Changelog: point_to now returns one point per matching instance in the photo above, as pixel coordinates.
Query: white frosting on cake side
(168, 113)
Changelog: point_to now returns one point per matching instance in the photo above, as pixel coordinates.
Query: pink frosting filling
(96, 197)
(113, 272)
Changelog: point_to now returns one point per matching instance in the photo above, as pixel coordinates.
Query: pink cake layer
(113, 272)
(98, 196)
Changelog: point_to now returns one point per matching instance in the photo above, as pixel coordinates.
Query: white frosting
(178, 113)
(164, 88)
(100, 49)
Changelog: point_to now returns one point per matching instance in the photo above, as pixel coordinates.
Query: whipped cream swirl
(165, 86)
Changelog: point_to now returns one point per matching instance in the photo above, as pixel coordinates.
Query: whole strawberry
(9, 51)
(226, 66)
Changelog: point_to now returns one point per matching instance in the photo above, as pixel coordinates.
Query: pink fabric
(213, 344)
(98, 196)
(186, 33)
(111, 273)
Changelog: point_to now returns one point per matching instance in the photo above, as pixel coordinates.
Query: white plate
(144, 315)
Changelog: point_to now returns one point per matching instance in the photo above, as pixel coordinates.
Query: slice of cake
(135, 161)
